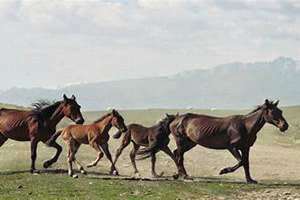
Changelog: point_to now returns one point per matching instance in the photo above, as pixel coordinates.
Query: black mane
(256, 109)
(45, 109)
(163, 125)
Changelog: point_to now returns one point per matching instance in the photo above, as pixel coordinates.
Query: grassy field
(273, 162)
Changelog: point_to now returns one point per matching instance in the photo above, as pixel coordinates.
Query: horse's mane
(255, 109)
(45, 109)
(163, 125)
(102, 118)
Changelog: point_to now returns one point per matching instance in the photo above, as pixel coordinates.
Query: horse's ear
(276, 103)
(177, 114)
(114, 112)
(65, 97)
(167, 115)
(73, 97)
(267, 102)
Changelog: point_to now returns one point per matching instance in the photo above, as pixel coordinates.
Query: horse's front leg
(183, 145)
(54, 159)
(113, 170)
(235, 152)
(245, 160)
(33, 145)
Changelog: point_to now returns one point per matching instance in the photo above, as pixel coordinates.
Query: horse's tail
(148, 151)
(54, 137)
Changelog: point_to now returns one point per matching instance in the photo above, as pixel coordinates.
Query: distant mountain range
(233, 85)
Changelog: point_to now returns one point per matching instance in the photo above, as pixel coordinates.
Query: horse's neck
(254, 122)
(105, 124)
(56, 117)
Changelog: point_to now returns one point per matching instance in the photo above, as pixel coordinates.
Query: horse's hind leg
(113, 170)
(33, 147)
(79, 165)
(183, 145)
(58, 148)
(132, 158)
(125, 142)
(238, 157)
(153, 161)
(100, 155)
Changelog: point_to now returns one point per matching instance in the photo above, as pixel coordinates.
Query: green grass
(49, 186)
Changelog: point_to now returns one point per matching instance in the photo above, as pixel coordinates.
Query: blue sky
(54, 43)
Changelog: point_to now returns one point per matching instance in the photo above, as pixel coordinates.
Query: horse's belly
(16, 134)
(219, 141)
(82, 140)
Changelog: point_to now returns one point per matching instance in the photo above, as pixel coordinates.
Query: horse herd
(235, 133)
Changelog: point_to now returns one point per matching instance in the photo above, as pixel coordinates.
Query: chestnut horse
(235, 133)
(154, 138)
(38, 125)
(96, 135)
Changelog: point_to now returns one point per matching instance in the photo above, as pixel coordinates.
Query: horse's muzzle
(79, 121)
(284, 127)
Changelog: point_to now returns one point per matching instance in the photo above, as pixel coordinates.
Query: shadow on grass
(48, 171)
(215, 180)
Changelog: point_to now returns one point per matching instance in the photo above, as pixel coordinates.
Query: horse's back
(139, 133)
(208, 131)
(78, 133)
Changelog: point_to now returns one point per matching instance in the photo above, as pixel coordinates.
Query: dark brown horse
(235, 133)
(154, 138)
(38, 125)
(96, 135)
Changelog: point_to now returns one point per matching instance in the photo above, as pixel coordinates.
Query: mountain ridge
(232, 85)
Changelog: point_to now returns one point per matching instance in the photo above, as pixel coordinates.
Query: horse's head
(169, 118)
(273, 115)
(118, 121)
(165, 122)
(71, 109)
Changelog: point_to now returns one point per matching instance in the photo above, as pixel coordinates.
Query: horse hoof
(34, 171)
(223, 171)
(47, 164)
(251, 181)
(83, 172)
(158, 175)
(114, 173)
(137, 175)
(75, 176)
(90, 165)
(176, 176)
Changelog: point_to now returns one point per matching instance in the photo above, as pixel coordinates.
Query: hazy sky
(54, 43)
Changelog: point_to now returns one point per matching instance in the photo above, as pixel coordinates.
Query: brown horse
(38, 125)
(155, 138)
(235, 133)
(95, 134)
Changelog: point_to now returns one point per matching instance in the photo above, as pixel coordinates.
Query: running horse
(38, 124)
(96, 135)
(235, 133)
(154, 139)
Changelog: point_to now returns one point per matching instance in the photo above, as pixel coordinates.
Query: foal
(154, 138)
(96, 135)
